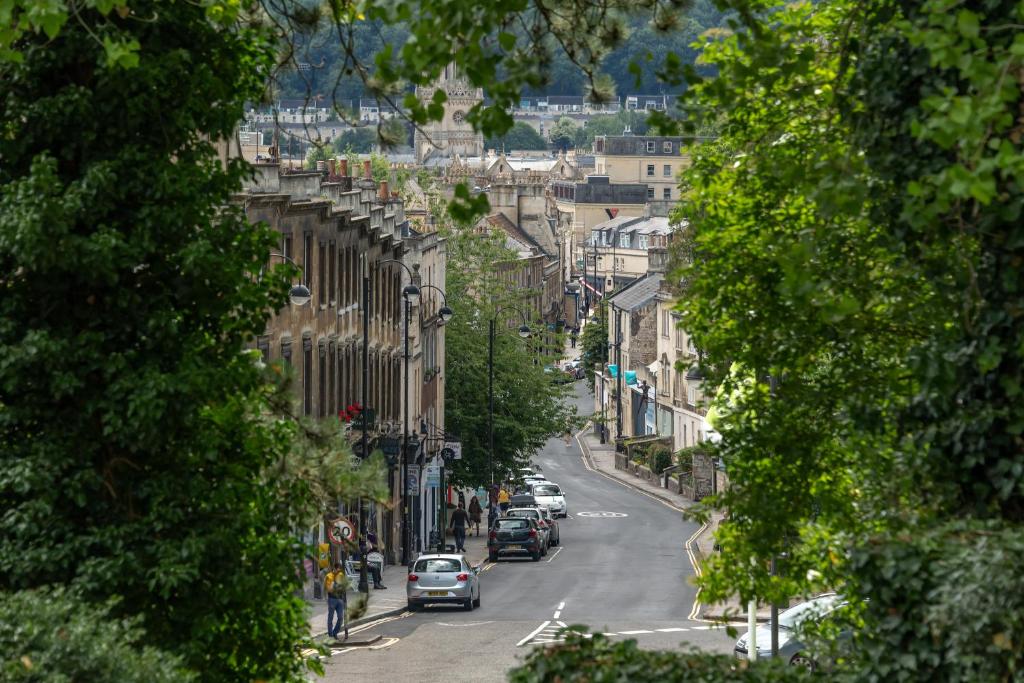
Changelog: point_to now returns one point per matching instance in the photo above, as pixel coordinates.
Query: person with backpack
(335, 583)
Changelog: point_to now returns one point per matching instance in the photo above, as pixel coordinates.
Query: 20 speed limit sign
(341, 531)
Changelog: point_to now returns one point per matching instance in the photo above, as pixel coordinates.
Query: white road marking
(553, 556)
(674, 629)
(532, 634)
(561, 605)
(702, 628)
(602, 513)
(557, 613)
(562, 624)
(633, 633)
(471, 623)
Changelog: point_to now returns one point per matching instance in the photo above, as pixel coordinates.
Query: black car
(513, 536)
(522, 500)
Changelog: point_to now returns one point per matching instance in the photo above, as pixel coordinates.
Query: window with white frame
(650, 146)
(667, 147)
(650, 193)
(650, 169)
(624, 240)
(667, 193)
(666, 170)
(643, 242)
(691, 394)
(665, 323)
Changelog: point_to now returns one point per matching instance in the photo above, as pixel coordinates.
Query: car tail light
(493, 535)
(462, 577)
(413, 577)
(533, 533)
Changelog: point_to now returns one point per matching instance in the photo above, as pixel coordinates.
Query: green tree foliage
(563, 133)
(521, 136)
(529, 407)
(863, 250)
(596, 659)
(51, 635)
(145, 455)
(594, 342)
(358, 140)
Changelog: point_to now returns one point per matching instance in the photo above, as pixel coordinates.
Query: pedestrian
(492, 497)
(573, 336)
(475, 513)
(503, 499)
(460, 520)
(368, 546)
(568, 436)
(335, 583)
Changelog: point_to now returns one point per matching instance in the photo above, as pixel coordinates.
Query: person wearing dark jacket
(475, 513)
(460, 520)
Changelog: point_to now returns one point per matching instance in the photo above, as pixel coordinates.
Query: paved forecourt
(622, 570)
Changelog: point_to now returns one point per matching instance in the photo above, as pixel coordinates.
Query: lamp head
(412, 293)
(299, 295)
(524, 331)
(445, 314)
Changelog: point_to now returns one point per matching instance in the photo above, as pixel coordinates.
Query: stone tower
(452, 135)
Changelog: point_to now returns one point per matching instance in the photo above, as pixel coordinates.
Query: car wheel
(535, 556)
(802, 660)
(492, 557)
(544, 549)
(476, 603)
(468, 605)
(413, 607)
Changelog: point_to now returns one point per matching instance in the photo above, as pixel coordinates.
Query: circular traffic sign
(341, 531)
(601, 514)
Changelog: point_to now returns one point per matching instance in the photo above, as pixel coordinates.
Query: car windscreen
(511, 523)
(438, 565)
(813, 609)
(546, 490)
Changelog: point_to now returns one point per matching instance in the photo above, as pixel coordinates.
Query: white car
(550, 496)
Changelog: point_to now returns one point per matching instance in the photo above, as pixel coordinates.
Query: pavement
(622, 568)
(389, 602)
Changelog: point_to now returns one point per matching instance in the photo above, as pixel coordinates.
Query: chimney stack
(343, 168)
(657, 260)
(367, 174)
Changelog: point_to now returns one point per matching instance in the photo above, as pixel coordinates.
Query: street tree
(594, 341)
(529, 407)
(563, 133)
(152, 466)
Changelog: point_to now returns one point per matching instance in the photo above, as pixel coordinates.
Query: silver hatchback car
(442, 578)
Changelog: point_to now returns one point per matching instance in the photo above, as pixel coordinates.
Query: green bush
(596, 659)
(52, 636)
(659, 458)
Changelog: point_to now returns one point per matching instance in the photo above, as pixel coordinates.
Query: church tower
(452, 135)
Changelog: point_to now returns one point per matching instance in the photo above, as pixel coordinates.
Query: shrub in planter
(658, 458)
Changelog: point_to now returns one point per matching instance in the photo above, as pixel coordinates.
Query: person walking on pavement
(503, 499)
(573, 337)
(475, 512)
(335, 582)
(460, 520)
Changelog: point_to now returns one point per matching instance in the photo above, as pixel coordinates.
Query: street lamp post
(524, 332)
(299, 294)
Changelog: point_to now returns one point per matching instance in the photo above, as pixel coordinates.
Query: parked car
(791, 647)
(514, 536)
(522, 500)
(536, 514)
(554, 537)
(442, 578)
(551, 496)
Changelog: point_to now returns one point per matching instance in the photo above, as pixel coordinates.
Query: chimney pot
(384, 191)
(321, 166)
(331, 167)
(343, 167)
(366, 170)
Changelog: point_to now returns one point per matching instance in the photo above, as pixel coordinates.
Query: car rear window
(510, 523)
(532, 514)
(438, 566)
(546, 490)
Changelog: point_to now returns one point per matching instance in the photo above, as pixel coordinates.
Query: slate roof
(637, 294)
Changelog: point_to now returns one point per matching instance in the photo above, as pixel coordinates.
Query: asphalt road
(627, 573)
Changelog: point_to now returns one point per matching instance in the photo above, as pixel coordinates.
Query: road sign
(412, 482)
(452, 450)
(433, 474)
(341, 531)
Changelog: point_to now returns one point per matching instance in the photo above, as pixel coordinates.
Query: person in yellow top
(503, 499)
(335, 584)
